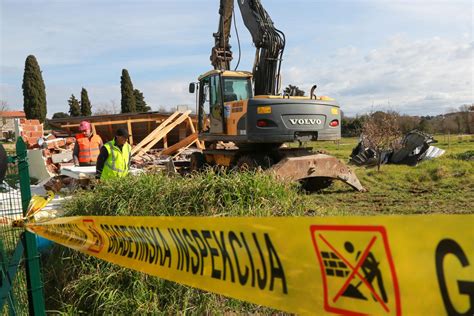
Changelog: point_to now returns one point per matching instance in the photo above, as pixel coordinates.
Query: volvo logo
(305, 121)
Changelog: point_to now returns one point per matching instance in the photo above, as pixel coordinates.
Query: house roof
(13, 114)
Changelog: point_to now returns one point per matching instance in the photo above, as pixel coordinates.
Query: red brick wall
(31, 131)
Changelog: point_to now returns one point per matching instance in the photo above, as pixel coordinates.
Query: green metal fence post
(33, 272)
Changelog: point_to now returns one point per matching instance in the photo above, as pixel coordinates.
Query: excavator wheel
(197, 161)
(315, 184)
(247, 163)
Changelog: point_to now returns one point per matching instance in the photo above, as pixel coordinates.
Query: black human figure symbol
(370, 268)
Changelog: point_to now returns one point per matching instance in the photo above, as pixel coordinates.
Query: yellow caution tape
(381, 265)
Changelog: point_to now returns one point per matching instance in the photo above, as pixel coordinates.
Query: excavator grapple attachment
(316, 171)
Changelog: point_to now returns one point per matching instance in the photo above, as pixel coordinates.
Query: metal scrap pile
(415, 147)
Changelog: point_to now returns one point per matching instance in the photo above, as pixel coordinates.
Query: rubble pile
(56, 152)
(156, 160)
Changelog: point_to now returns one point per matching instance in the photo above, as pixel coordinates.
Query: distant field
(442, 185)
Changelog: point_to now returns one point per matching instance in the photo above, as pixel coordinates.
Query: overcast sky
(413, 56)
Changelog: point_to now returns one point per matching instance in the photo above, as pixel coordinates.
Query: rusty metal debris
(414, 147)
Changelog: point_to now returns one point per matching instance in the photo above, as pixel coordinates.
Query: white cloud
(416, 77)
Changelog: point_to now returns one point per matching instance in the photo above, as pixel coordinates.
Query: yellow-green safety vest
(116, 165)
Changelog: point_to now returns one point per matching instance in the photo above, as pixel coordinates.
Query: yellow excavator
(245, 122)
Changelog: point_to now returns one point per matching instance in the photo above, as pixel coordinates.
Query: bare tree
(381, 132)
(3, 107)
(106, 108)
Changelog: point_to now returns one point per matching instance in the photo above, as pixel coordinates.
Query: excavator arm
(269, 43)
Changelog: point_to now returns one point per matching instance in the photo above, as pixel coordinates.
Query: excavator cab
(218, 92)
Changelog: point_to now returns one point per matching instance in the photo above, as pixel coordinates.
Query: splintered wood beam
(163, 132)
(150, 136)
(182, 143)
(184, 148)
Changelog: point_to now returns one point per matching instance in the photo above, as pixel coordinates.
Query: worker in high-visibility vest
(87, 147)
(115, 157)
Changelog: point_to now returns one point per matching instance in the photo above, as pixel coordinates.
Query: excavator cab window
(211, 113)
(204, 105)
(236, 89)
(217, 107)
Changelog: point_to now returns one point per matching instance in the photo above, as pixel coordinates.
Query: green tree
(293, 91)
(140, 103)
(128, 98)
(74, 106)
(34, 92)
(86, 109)
(59, 115)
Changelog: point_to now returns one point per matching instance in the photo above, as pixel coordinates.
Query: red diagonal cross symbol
(355, 271)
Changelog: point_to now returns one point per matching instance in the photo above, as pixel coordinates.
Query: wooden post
(111, 132)
(129, 127)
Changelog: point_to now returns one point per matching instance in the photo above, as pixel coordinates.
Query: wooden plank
(184, 148)
(185, 142)
(151, 119)
(193, 130)
(165, 141)
(129, 128)
(191, 125)
(163, 132)
(150, 136)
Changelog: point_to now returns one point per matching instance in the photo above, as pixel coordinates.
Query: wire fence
(16, 301)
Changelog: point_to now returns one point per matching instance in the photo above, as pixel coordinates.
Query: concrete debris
(415, 147)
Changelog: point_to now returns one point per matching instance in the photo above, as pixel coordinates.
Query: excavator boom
(245, 110)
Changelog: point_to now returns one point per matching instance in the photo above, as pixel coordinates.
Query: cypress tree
(34, 92)
(140, 102)
(128, 98)
(74, 106)
(85, 103)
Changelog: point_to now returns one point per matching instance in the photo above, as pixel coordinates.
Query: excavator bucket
(316, 171)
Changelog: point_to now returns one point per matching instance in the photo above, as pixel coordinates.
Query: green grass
(78, 284)
(442, 185)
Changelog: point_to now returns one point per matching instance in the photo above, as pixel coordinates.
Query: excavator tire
(197, 161)
(316, 184)
(247, 163)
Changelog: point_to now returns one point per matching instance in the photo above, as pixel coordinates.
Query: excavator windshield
(236, 89)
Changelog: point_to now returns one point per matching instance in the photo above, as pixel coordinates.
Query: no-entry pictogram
(357, 270)
(98, 241)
